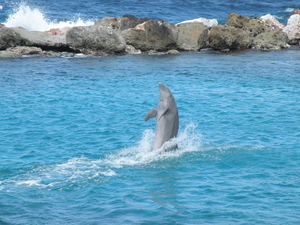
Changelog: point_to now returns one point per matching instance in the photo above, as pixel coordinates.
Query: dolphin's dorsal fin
(151, 114)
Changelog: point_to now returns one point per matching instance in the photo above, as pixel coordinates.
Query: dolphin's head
(165, 93)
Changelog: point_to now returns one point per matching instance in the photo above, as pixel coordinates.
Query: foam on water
(289, 10)
(82, 170)
(33, 19)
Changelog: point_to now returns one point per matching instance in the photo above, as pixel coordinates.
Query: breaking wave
(33, 19)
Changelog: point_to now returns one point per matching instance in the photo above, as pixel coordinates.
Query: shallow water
(76, 150)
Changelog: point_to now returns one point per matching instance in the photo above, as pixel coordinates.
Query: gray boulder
(8, 54)
(121, 23)
(152, 35)
(40, 39)
(9, 38)
(192, 36)
(225, 37)
(24, 50)
(270, 40)
(131, 50)
(172, 52)
(96, 40)
(258, 30)
(18, 36)
(252, 26)
(19, 51)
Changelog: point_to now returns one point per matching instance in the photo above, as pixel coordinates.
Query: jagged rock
(9, 38)
(40, 39)
(58, 31)
(258, 30)
(270, 40)
(172, 52)
(18, 36)
(8, 54)
(25, 50)
(121, 23)
(152, 35)
(19, 51)
(296, 12)
(131, 50)
(206, 22)
(96, 40)
(192, 36)
(292, 29)
(225, 37)
(254, 26)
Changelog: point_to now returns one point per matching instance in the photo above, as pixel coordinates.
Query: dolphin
(167, 121)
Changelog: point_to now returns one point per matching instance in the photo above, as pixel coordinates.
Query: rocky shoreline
(132, 35)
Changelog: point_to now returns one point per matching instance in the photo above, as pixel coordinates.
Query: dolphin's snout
(163, 88)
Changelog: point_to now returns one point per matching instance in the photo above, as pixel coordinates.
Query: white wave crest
(289, 10)
(33, 19)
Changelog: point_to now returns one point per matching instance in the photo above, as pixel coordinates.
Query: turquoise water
(75, 148)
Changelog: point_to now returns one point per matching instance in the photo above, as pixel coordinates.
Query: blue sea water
(75, 148)
(172, 11)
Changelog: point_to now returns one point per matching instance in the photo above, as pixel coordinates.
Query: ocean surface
(75, 149)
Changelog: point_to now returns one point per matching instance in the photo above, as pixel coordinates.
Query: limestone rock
(270, 40)
(24, 50)
(58, 31)
(121, 23)
(258, 29)
(40, 39)
(254, 26)
(18, 51)
(9, 38)
(96, 40)
(192, 36)
(206, 22)
(152, 35)
(296, 12)
(292, 29)
(131, 50)
(8, 54)
(172, 52)
(225, 37)
(272, 20)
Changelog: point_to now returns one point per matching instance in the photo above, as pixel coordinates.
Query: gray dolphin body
(167, 121)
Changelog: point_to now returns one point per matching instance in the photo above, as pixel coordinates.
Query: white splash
(82, 170)
(206, 22)
(188, 141)
(289, 10)
(32, 19)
